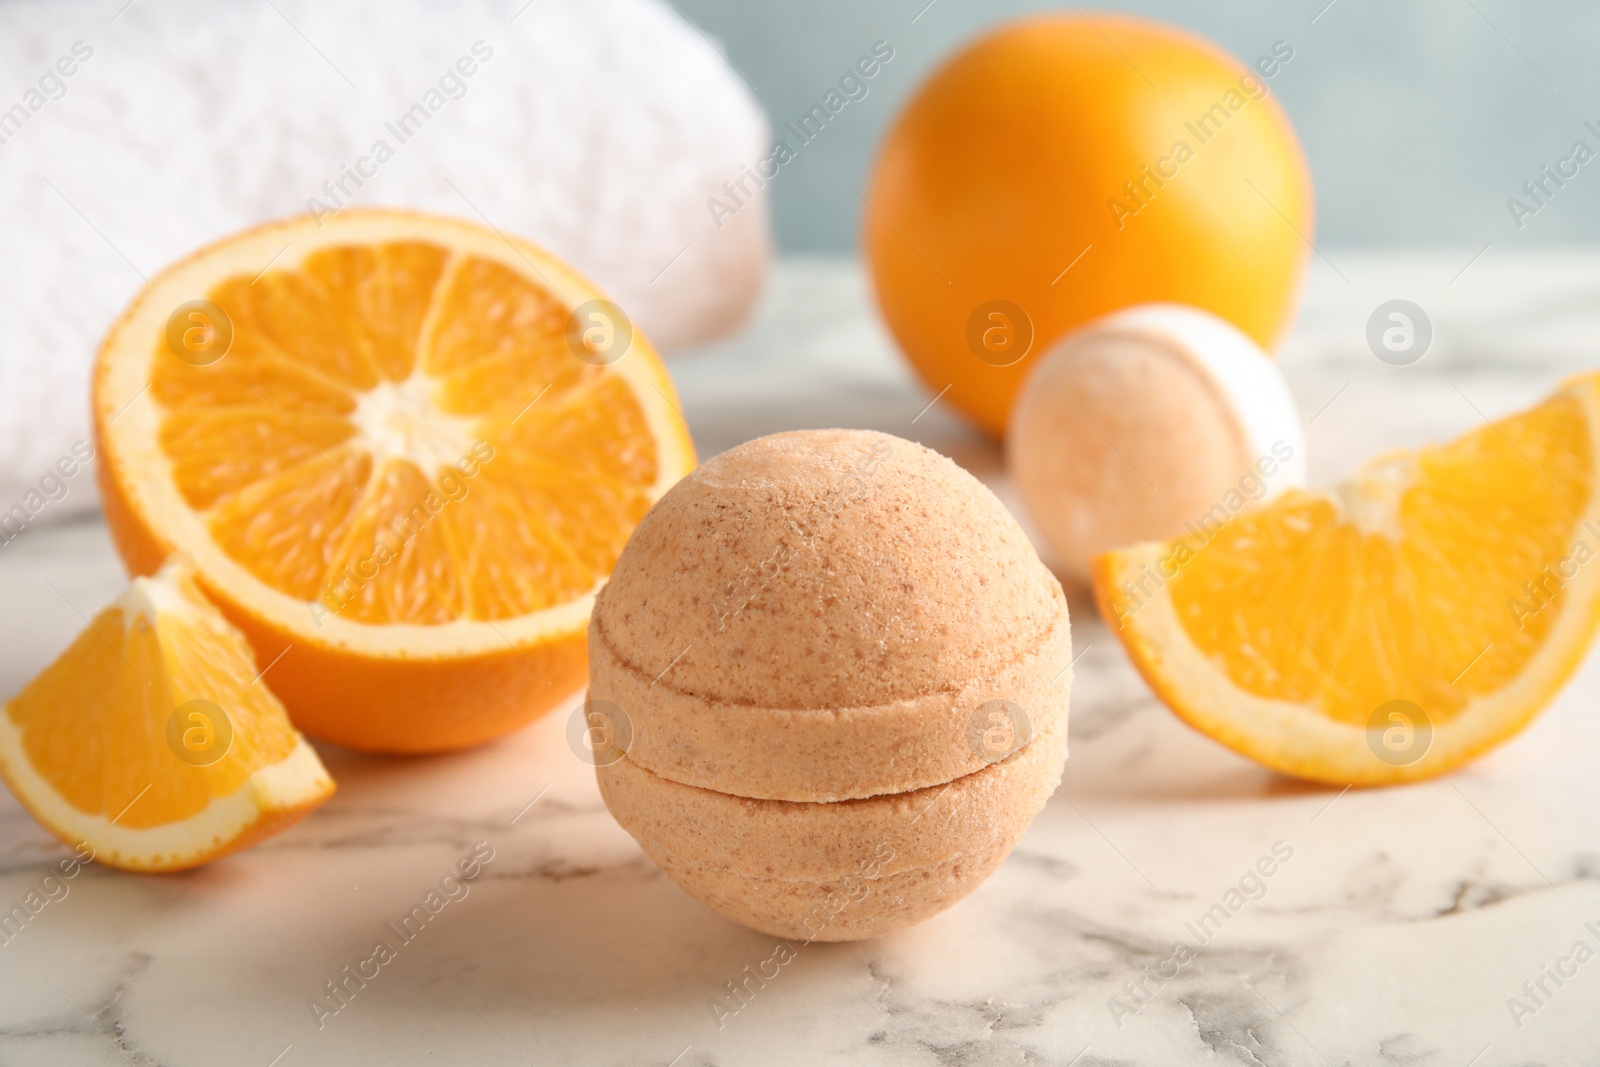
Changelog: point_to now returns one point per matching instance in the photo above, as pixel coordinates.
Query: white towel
(132, 133)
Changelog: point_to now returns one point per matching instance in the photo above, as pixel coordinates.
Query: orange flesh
(553, 458)
(1371, 619)
(94, 723)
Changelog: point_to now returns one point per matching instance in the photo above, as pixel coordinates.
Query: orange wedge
(151, 742)
(403, 451)
(1392, 628)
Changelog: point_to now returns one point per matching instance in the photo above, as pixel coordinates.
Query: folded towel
(597, 128)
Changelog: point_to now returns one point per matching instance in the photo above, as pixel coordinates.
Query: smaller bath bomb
(1144, 421)
(838, 676)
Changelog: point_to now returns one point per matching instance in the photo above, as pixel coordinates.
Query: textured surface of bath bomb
(834, 675)
(815, 616)
(1145, 422)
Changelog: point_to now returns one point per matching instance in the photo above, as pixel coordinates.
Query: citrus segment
(1453, 579)
(152, 738)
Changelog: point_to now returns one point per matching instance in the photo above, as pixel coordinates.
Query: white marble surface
(1395, 933)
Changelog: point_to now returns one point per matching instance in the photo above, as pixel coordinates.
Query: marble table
(1395, 927)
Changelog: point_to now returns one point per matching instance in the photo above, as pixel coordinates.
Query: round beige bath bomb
(803, 639)
(1147, 421)
(816, 616)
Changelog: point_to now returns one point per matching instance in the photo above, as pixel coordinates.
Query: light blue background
(1419, 118)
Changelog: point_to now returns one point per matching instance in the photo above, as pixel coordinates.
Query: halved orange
(152, 740)
(1389, 629)
(403, 451)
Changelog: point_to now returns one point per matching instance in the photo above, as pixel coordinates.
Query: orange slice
(151, 742)
(403, 451)
(1389, 629)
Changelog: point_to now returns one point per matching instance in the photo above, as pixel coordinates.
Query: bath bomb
(839, 673)
(1146, 420)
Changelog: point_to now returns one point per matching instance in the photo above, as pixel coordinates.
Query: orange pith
(88, 745)
(1456, 578)
(401, 468)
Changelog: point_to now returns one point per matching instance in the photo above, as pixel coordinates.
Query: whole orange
(1065, 166)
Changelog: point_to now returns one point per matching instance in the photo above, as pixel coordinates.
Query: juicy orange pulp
(1397, 618)
(92, 748)
(306, 446)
